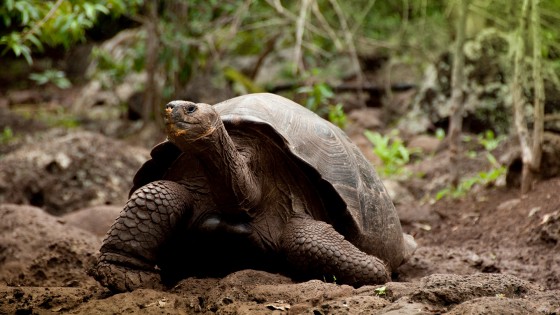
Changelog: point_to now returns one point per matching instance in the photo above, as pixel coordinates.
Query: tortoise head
(186, 122)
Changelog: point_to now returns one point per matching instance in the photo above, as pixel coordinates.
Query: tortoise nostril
(169, 106)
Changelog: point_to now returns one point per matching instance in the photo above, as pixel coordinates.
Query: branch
(457, 95)
(300, 25)
(47, 17)
(351, 47)
(538, 101)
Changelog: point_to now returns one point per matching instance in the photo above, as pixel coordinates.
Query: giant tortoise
(256, 181)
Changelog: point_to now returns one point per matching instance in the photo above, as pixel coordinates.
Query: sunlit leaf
(32, 38)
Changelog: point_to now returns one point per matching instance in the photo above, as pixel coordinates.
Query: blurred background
(390, 73)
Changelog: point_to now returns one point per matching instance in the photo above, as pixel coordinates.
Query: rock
(96, 220)
(366, 118)
(494, 306)
(428, 144)
(548, 231)
(398, 193)
(36, 249)
(448, 289)
(73, 171)
(508, 205)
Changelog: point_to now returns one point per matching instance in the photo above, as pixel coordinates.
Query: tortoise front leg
(129, 252)
(316, 249)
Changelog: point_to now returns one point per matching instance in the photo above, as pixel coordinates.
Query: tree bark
(538, 102)
(457, 97)
(519, 101)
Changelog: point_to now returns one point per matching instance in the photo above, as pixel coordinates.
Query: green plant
(55, 77)
(333, 279)
(318, 97)
(440, 134)
(241, 82)
(337, 115)
(111, 69)
(482, 178)
(489, 140)
(58, 117)
(381, 290)
(7, 135)
(35, 23)
(391, 150)
(319, 100)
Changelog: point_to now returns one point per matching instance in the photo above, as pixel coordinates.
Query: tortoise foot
(316, 249)
(121, 278)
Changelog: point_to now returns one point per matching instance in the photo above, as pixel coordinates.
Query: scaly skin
(315, 248)
(129, 252)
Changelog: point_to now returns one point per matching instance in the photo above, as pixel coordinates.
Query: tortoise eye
(191, 109)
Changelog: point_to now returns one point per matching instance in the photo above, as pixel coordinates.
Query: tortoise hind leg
(315, 248)
(129, 251)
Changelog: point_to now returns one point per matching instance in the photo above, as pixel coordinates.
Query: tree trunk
(538, 102)
(457, 97)
(519, 101)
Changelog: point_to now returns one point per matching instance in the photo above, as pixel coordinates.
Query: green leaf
(32, 38)
(21, 6)
(101, 8)
(89, 10)
(16, 48)
(26, 52)
(7, 20)
(325, 91)
(404, 153)
(9, 5)
(304, 89)
(381, 290)
(238, 77)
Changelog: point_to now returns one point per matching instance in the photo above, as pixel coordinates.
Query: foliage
(7, 135)
(57, 117)
(113, 67)
(391, 151)
(333, 279)
(55, 77)
(30, 24)
(489, 140)
(244, 84)
(440, 134)
(319, 98)
(337, 115)
(483, 178)
(381, 290)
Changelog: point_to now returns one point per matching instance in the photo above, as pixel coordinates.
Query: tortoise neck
(232, 182)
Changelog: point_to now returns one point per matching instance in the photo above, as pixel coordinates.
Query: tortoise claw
(122, 279)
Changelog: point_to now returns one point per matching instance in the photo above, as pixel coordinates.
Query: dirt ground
(490, 252)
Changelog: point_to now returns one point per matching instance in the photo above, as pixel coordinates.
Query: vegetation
(55, 77)
(29, 25)
(305, 48)
(319, 97)
(483, 178)
(392, 152)
(381, 290)
(489, 142)
(7, 135)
